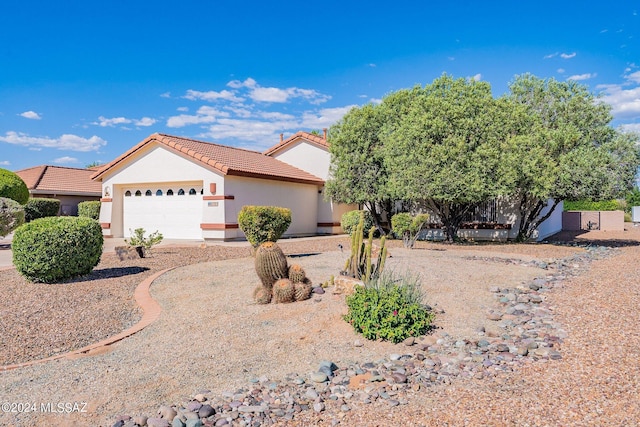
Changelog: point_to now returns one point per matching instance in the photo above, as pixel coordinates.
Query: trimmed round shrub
(40, 208)
(53, 249)
(350, 220)
(13, 187)
(11, 215)
(263, 223)
(590, 205)
(89, 209)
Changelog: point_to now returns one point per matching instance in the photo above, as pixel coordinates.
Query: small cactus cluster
(281, 283)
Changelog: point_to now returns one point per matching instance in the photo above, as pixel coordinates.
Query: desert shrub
(350, 220)
(408, 228)
(40, 208)
(53, 249)
(389, 308)
(89, 209)
(590, 205)
(138, 239)
(13, 187)
(632, 199)
(263, 223)
(11, 215)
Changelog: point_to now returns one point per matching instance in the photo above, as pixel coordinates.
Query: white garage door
(174, 210)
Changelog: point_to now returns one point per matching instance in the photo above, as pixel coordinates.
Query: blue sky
(84, 81)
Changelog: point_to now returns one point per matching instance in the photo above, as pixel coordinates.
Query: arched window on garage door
(159, 193)
(169, 192)
(148, 193)
(127, 193)
(138, 193)
(192, 192)
(181, 192)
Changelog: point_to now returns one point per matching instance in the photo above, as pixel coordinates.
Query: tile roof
(225, 159)
(47, 179)
(312, 138)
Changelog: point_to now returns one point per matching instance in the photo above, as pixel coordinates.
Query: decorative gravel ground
(211, 338)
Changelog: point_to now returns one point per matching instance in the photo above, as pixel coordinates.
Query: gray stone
(206, 411)
(319, 377)
(194, 423)
(166, 412)
(494, 316)
(252, 408)
(157, 422)
(399, 378)
(318, 407)
(177, 422)
(318, 290)
(409, 341)
(193, 406)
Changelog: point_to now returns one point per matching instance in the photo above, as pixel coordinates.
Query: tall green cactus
(271, 264)
(360, 264)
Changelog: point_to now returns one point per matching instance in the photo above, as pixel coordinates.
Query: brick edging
(151, 311)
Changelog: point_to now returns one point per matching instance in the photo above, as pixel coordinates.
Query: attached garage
(173, 209)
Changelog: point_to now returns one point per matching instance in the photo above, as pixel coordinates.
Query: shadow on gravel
(5, 246)
(303, 255)
(109, 273)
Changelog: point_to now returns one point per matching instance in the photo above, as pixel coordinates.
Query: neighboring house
(69, 185)
(189, 189)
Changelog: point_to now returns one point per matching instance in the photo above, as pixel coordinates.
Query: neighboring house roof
(61, 180)
(225, 159)
(310, 137)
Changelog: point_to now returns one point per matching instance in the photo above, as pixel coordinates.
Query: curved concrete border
(150, 313)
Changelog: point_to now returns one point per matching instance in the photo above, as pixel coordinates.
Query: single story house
(69, 185)
(189, 189)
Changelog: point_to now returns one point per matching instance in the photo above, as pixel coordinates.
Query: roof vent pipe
(324, 133)
(281, 137)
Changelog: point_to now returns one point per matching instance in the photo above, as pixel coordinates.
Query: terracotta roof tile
(60, 180)
(228, 160)
(314, 139)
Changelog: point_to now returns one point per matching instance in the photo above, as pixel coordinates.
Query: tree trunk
(530, 218)
(451, 215)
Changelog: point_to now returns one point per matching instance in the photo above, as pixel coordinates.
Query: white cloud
(104, 122)
(205, 114)
(551, 55)
(64, 142)
(586, 76)
(31, 115)
(264, 133)
(372, 65)
(212, 95)
(567, 55)
(376, 100)
(145, 121)
(477, 77)
(165, 95)
(5, 163)
(65, 160)
(280, 95)
(184, 109)
(451, 58)
(324, 118)
(624, 98)
(240, 111)
(115, 121)
(560, 70)
(631, 127)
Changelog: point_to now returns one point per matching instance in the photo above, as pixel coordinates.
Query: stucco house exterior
(189, 189)
(69, 185)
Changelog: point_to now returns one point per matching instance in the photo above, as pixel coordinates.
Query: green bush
(350, 220)
(263, 223)
(590, 205)
(13, 187)
(41, 208)
(632, 199)
(11, 215)
(89, 209)
(389, 308)
(138, 239)
(408, 228)
(53, 249)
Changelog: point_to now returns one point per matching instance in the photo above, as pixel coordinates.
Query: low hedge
(263, 223)
(36, 208)
(89, 209)
(53, 249)
(590, 205)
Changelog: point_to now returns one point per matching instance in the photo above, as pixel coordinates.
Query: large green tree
(357, 172)
(566, 150)
(445, 152)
